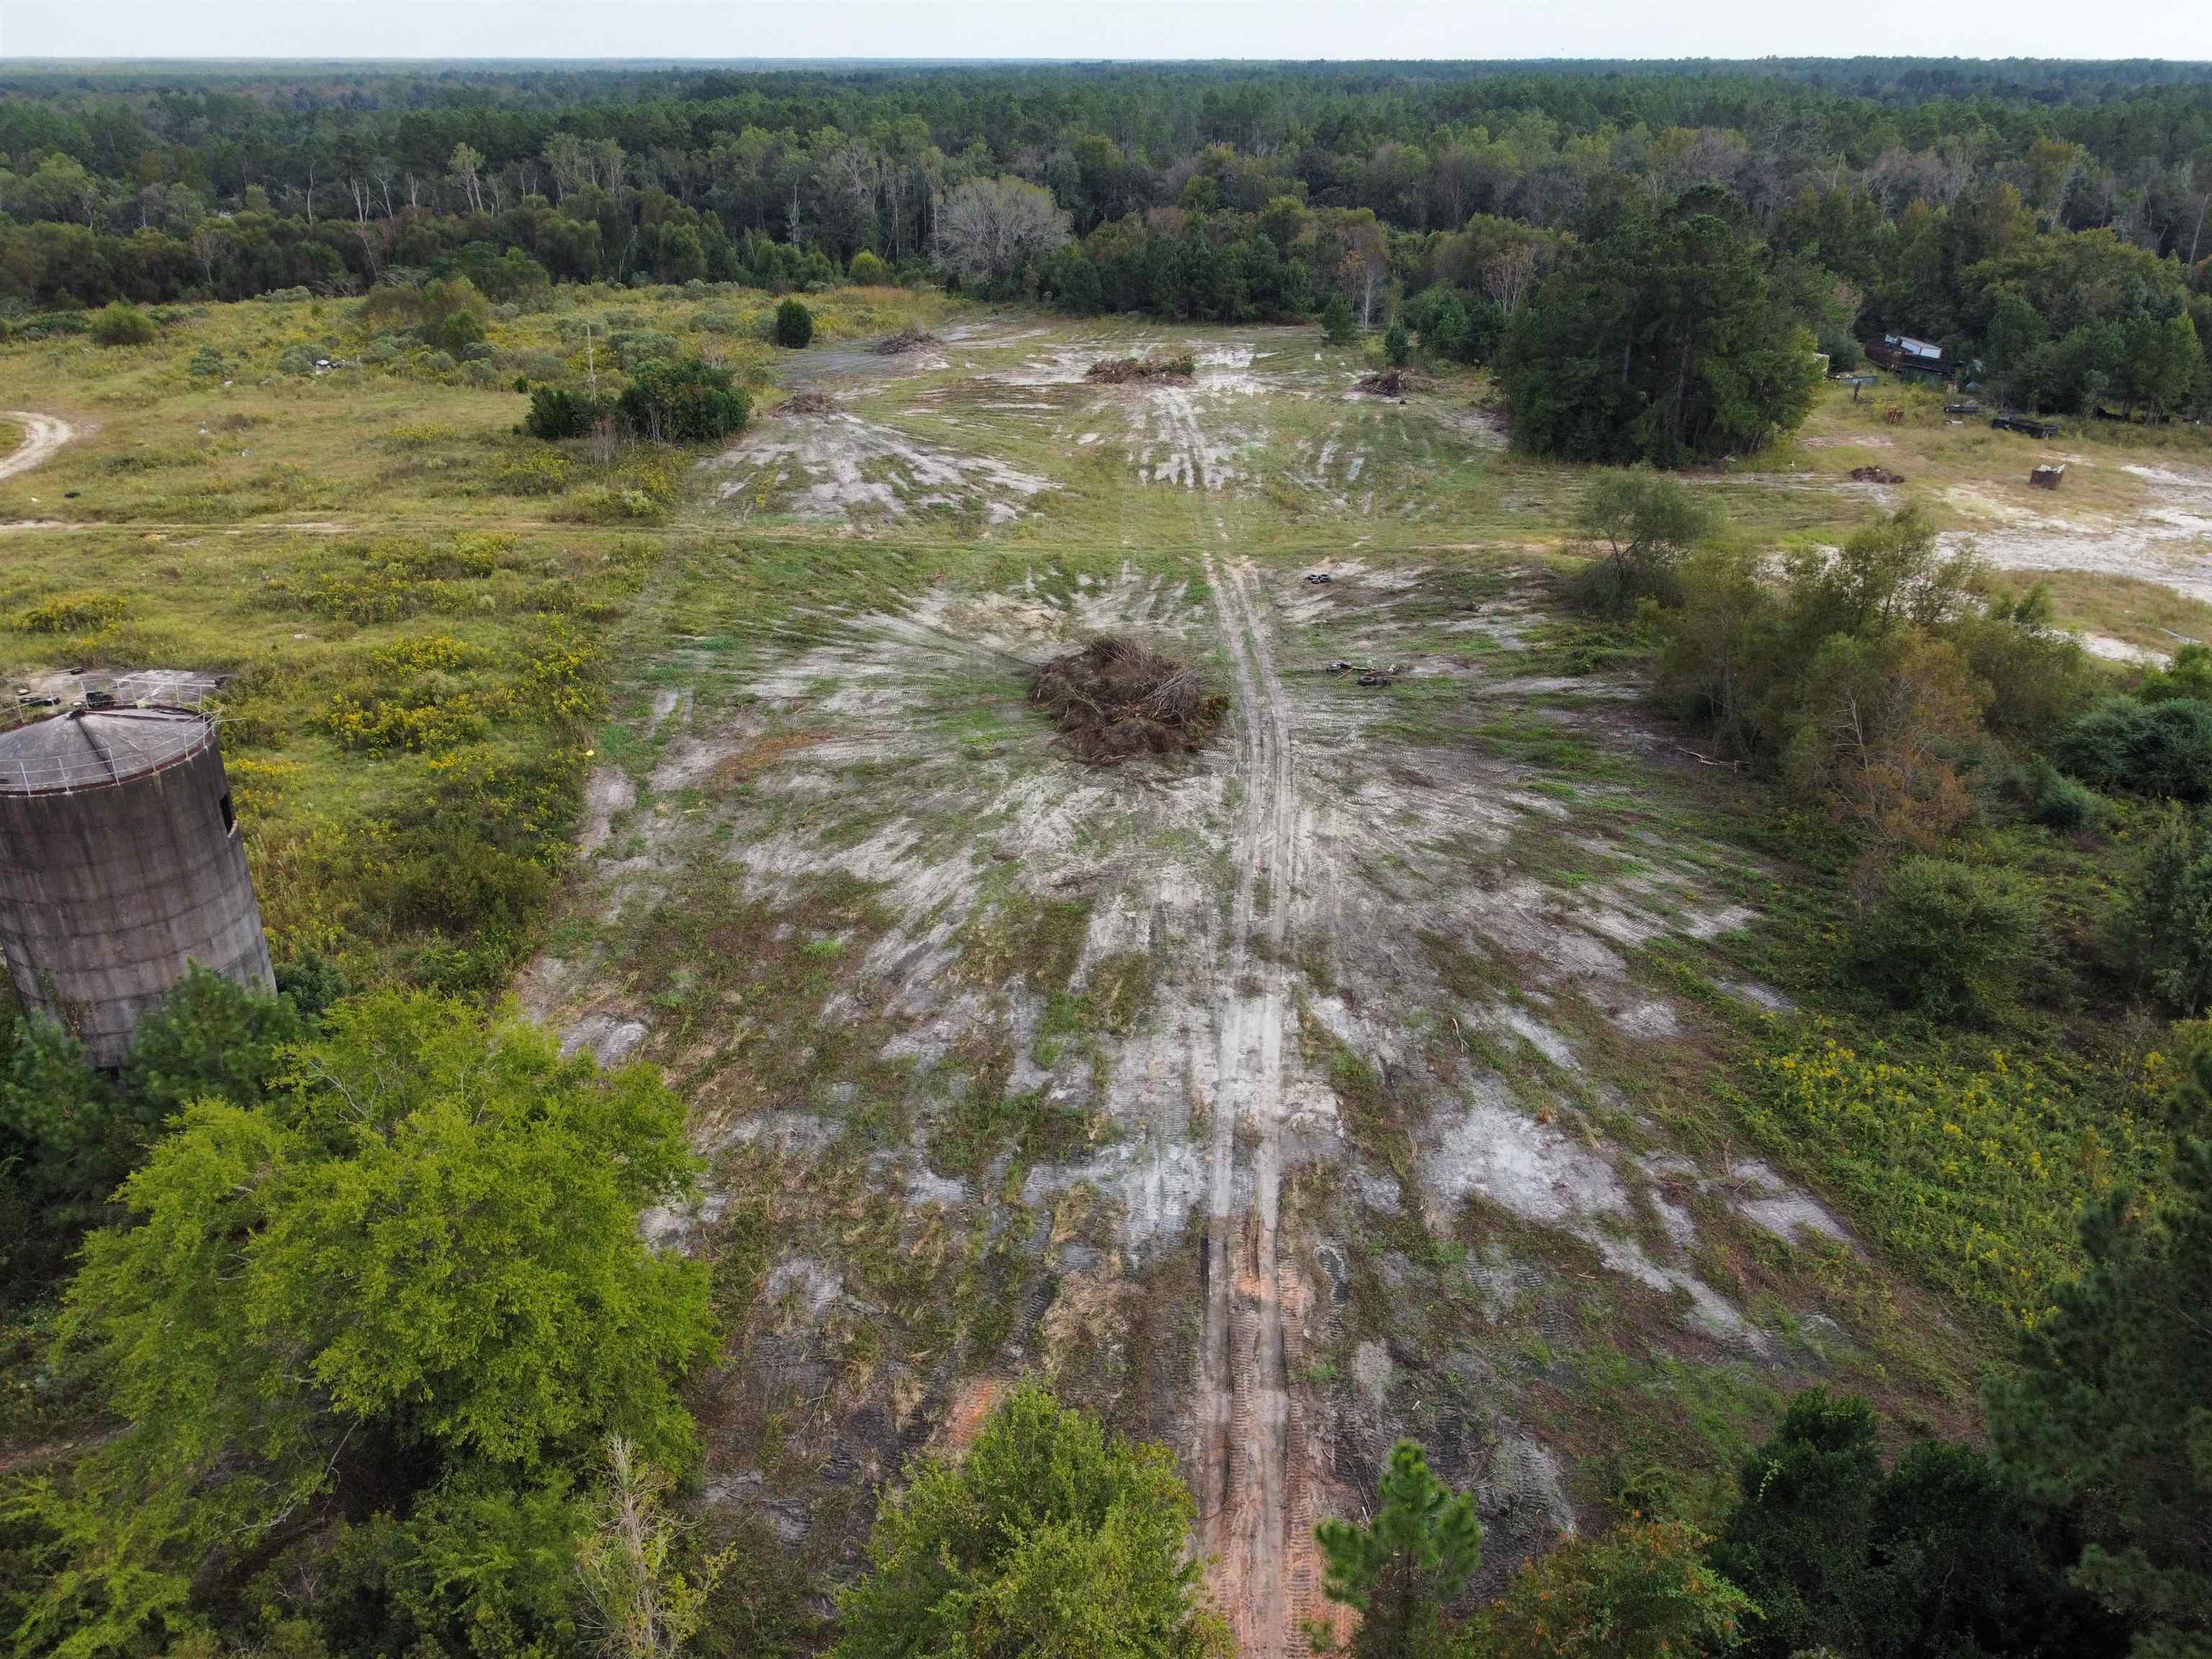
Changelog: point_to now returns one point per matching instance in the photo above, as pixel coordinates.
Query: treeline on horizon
(2052, 221)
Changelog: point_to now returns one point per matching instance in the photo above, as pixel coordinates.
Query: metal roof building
(120, 863)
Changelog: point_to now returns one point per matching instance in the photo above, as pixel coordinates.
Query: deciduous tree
(1047, 1537)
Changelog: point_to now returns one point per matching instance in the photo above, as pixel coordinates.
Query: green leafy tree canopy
(417, 1269)
(1048, 1538)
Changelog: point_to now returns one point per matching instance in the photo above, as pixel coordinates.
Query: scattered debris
(2023, 425)
(1969, 407)
(808, 402)
(1340, 666)
(1386, 383)
(1117, 371)
(1114, 698)
(906, 340)
(1376, 677)
(1880, 474)
(1902, 355)
(2047, 476)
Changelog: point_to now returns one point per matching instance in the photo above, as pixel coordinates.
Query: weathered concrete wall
(108, 892)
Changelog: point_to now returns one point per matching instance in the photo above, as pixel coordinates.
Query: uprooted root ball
(1117, 371)
(1114, 698)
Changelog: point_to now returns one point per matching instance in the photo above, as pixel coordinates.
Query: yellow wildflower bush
(1978, 1174)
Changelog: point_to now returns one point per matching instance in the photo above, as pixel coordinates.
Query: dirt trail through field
(1258, 1511)
(42, 435)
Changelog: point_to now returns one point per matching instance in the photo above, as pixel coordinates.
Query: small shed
(2047, 476)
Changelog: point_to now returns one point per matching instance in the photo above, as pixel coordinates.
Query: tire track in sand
(1255, 1503)
(42, 435)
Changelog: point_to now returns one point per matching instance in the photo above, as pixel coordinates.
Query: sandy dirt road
(42, 435)
(1258, 1513)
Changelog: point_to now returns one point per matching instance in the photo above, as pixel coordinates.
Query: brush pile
(1114, 698)
(906, 340)
(808, 402)
(1876, 475)
(1386, 383)
(1120, 371)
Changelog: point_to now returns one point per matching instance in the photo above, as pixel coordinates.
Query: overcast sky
(1101, 28)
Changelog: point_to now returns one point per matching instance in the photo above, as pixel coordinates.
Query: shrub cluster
(683, 400)
(2161, 748)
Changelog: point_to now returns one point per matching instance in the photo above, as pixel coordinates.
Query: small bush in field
(2161, 929)
(556, 412)
(692, 401)
(121, 323)
(1946, 936)
(2057, 801)
(794, 324)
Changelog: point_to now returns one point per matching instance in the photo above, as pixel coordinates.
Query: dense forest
(2049, 224)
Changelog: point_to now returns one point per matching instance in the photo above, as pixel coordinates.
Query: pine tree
(2111, 1410)
(1399, 1571)
(1336, 319)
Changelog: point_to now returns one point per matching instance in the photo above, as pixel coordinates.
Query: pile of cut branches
(1118, 370)
(1387, 383)
(808, 402)
(1114, 698)
(906, 339)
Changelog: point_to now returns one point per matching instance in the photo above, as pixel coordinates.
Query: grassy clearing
(216, 422)
(2125, 608)
(417, 706)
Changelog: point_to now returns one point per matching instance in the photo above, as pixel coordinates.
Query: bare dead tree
(638, 1600)
(372, 251)
(855, 171)
(990, 228)
(1509, 276)
(1366, 265)
(566, 161)
(207, 247)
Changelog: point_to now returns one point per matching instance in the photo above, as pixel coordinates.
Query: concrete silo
(120, 862)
